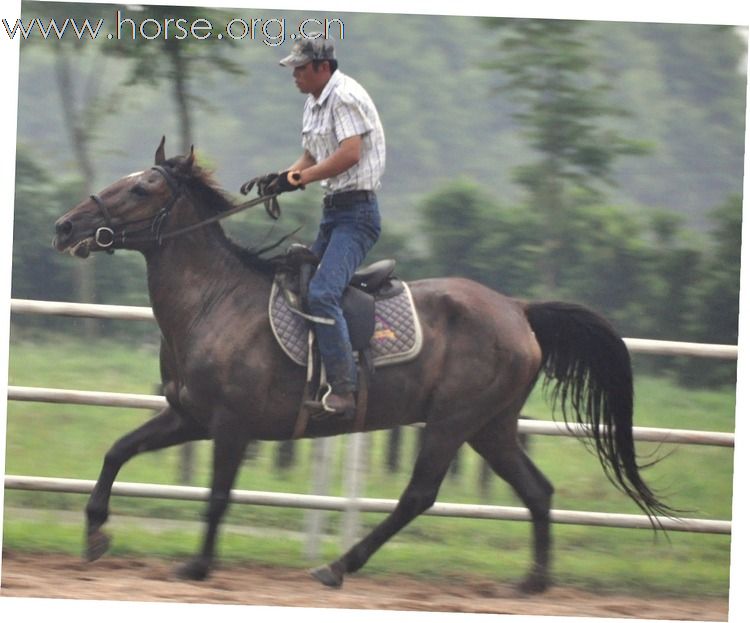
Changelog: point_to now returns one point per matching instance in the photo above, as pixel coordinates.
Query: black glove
(282, 184)
(298, 254)
(261, 181)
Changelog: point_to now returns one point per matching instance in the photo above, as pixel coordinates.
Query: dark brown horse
(226, 379)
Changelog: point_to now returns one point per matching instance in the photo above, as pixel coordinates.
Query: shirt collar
(334, 80)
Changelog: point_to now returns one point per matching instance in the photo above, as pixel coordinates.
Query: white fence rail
(372, 505)
(534, 427)
(319, 502)
(124, 312)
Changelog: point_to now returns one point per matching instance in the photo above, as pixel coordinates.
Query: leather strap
(362, 395)
(312, 382)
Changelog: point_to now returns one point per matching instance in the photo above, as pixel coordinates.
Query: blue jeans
(345, 236)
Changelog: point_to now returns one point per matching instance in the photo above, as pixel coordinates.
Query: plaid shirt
(344, 109)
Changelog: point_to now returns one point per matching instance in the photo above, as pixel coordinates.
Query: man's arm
(346, 156)
(303, 162)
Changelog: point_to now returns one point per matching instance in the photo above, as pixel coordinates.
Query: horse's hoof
(195, 569)
(328, 576)
(534, 584)
(97, 544)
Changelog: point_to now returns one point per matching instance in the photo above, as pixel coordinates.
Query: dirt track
(58, 576)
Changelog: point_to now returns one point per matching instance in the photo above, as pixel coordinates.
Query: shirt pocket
(318, 135)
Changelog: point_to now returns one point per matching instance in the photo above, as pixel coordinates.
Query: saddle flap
(359, 313)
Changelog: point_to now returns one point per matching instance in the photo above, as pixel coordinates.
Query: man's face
(310, 80)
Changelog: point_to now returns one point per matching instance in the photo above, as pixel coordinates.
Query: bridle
(108, 238)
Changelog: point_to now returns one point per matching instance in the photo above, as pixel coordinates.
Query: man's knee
(320, 299)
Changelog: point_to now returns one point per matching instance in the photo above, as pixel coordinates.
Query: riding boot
(343, 405)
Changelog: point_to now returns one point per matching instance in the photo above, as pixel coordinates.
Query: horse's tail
(588, 367)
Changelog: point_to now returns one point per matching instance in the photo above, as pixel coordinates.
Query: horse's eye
(139, 190)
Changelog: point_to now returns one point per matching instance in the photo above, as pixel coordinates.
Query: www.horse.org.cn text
(270, 31)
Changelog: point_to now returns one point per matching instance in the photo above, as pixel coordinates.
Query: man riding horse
(481, 353)
(344, 148)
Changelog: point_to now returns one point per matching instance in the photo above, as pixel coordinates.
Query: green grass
(70, 441)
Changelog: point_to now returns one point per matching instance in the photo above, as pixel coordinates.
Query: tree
(37, 272)
(470, 235)
(177, 58)
(639, 272)
(672, 259)
(454, 221)
(85, 103)
(719, 313)
(716, 315)
(550, 72)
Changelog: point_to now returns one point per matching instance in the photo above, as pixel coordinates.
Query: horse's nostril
(64, 228)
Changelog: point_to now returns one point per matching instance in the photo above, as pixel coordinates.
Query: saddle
(368, 284)
(374, 304)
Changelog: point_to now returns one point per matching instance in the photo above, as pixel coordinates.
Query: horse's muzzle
(64, 239)
(63, 234)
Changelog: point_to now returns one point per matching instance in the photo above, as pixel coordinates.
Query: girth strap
(312, 382)
(362, 394)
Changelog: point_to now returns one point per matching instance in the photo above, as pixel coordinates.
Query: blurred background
(595, 162)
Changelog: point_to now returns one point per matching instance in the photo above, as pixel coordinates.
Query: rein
(105, 237)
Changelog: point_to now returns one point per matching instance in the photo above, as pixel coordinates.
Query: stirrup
(317, 407)
(323, 403)
(321, 409)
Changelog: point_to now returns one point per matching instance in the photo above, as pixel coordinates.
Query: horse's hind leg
(167, 428)
(498, 444)
(439, 447)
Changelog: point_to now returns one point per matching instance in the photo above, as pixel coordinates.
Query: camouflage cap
(306, 50)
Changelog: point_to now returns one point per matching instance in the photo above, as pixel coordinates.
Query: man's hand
(262, 182)
(287, 181)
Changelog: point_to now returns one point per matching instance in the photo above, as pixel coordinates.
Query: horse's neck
(190, 274)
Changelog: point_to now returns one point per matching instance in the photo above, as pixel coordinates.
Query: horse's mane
(208, 193)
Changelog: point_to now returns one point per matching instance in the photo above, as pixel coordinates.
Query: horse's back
(459, 299)
(479, 334)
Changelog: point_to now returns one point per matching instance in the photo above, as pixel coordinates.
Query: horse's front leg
(166, 429)
(229, 450)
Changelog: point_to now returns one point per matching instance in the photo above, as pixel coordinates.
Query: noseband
(106, 236)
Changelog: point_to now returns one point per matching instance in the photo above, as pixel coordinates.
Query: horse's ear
(190, 160)
(159, 156)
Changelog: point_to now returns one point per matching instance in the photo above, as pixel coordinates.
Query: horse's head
(127, 213)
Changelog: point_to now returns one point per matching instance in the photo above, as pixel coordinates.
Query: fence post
(353, 487)
(322, 454)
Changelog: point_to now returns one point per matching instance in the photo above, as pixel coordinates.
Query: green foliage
(716, 304)
(471, 236)
(443, 114)
(564, 115)
(719, 311)
(177, 59)
(637, 251)
(625, 253)
(602, 262)
(38, 271)
(646, 272)
(550, 71)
